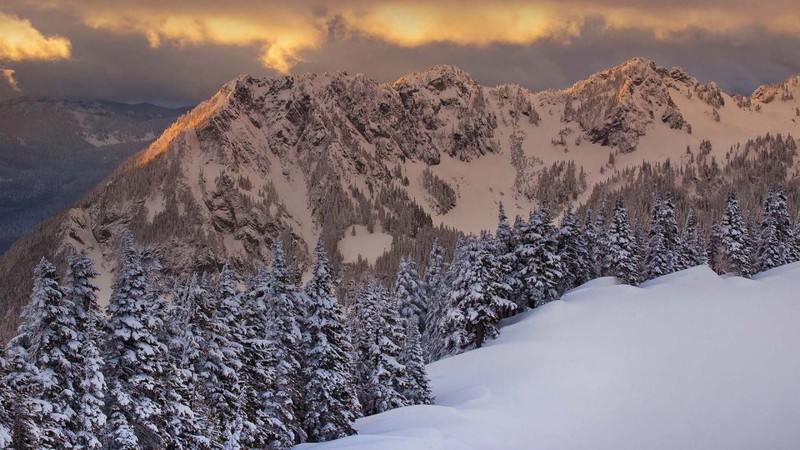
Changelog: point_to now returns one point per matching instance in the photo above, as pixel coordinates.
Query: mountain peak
(441, 75)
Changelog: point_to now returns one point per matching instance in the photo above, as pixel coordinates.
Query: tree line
(221, 362)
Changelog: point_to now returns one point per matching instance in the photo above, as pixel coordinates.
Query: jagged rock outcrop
(322, 156)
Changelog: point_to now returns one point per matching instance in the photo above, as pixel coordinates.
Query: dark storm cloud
(180, 52)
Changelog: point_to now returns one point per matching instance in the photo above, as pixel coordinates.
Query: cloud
(285, 32)
(20, 41)
(8, 75)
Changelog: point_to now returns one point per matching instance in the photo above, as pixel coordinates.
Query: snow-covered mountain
(690, 360)
(54, 151)
(381, 169)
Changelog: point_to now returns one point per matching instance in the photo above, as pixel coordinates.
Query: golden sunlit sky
(179, 52)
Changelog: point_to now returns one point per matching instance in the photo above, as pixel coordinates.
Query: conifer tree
(435, 274)
(419, 390)
(664, 249)
(6, 395)
(478, 295)
(187, 424)
(409, 291)
(134, 357)
(50, 335)
(382, 378)
(539, 270)
(572, 250)
(90, 386)
(221, 353)
(270, 410)
(776, 243)
(29, 414)
(506, 244)
(283, 310)
(621, 259)
(600, 239)
(736, 247)
(331, 405)
(694, 247)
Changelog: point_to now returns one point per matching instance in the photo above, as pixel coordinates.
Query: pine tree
(775, 244)
(270, 411)
(30, 414)
(736, 248)
(478, 295)
(572, 250)
(600, 239)
(621, 259)
(134, 357)
(283, 308)
(331, 402)
(409, 291)
(714, 245)
(434, 297)
(187, 424)
(694, 247)
(49, 334)
(664, 254)
(91, 385)
(382, 378)
(539, 270)
(418, 391)
(506, 244)
(6, 396)
(217, 315)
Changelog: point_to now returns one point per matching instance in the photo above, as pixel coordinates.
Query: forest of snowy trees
(218, 361)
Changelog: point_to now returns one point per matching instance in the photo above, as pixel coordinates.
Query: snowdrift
(689, 361)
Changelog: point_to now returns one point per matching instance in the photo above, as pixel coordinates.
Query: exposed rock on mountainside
(324, 156)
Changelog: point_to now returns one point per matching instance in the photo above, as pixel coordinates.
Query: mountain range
(54, 151)
(377, 171)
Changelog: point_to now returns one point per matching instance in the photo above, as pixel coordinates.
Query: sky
(179, 52)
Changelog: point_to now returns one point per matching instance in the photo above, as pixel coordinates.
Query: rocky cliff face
(366, 167)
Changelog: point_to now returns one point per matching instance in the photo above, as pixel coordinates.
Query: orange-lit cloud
(8, 76)
(20, 41)
(285, 32)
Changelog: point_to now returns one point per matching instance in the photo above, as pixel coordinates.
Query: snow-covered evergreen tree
(776, 242)
(331, 404)
(435, 274)
(694, 246)
(600, 241)
(664, 248)
(90, 387)
(220, 361)
(187, 424)
(621, 259)
(478, 296)
(736, 247)
(270, 411)
(419, 390)
(283, 310)
(6, 396)
(381, 377)
(134, 357)
(30, 414)
(506, 240)
(538, 269)
(572, 250)
(409, 291)
(52, 343)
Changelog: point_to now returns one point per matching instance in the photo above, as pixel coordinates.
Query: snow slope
(689, 361)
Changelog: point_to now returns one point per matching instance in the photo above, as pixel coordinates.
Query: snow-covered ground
(688, 361)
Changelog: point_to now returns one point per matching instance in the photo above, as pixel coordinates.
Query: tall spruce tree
(694, 246)
(572, 250)
(621, 259)
(50, 335)
(736, 246)
(30, 414)
(478, 295)
(539, 270)
(91, 386)
(775, 245)
(435, 273)
(664, 248)
(418, 391)
(409, 291)
(331, 405)
(283, 309)
(382, 378)
(6, 396)
(134, 358)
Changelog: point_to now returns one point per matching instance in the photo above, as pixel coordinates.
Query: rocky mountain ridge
(379, 170)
